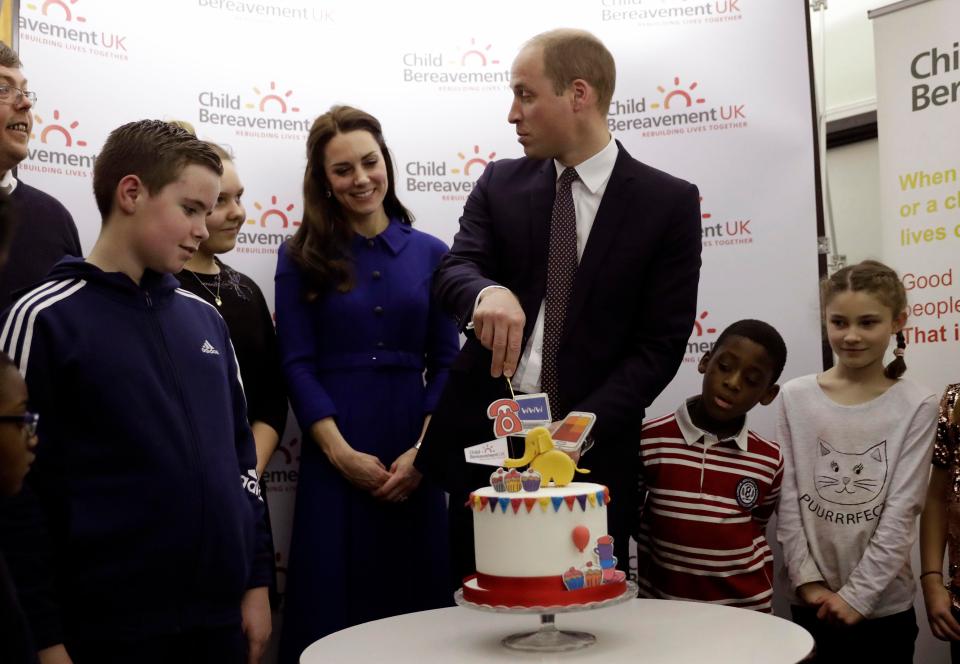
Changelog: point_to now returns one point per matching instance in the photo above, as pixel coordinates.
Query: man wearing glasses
(43, 231)
(36, 233)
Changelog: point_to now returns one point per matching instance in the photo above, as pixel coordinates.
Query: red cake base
(534, 591)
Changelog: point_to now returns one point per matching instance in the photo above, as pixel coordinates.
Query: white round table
(643, 631)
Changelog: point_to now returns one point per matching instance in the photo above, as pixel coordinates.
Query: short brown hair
(570, 54)
(153, 150)
(9, 57)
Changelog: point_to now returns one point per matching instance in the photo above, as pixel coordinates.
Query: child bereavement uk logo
(667, 13)
(273, 221)
(66, 25)
(57, 147)
(268, 111)
(282, 473)
(702, 339)
(723, 231)
(678, 107)
(453, 180)
(472, 66)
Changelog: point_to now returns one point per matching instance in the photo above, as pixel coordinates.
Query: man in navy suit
(574, 272)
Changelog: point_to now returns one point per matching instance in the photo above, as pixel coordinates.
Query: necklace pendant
(218, 301)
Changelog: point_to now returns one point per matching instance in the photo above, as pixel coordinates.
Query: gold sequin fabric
(946, 455)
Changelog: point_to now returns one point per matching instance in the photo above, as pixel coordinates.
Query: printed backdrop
(715, 91)
(918, 103)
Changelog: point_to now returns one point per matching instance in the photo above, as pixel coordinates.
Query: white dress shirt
(587, 192)
(8, 183)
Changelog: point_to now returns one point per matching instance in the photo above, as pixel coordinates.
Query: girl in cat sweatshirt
(856, 441)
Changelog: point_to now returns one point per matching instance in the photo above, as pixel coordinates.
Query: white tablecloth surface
(639, 631)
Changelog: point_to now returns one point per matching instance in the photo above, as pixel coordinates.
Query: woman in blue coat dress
(365, 353)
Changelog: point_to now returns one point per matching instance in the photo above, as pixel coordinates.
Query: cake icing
(537, 541)
(541, 539)
(542, 548)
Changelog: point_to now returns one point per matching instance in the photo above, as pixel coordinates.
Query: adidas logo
(250, 483)
(208, 348)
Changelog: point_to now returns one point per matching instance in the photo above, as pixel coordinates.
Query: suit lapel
(610, 217)
(542, 193)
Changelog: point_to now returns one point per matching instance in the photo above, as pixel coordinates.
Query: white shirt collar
(692, 433)
(8, 183)
(595, 171)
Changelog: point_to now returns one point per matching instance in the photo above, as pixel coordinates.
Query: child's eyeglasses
(28, 421)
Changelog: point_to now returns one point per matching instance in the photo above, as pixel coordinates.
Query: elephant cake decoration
(551, 465)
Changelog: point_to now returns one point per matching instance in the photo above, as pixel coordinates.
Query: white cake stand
(548, 638)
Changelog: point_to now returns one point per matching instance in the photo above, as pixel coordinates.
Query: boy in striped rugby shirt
(709, 485)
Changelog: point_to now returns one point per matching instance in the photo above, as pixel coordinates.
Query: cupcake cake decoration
(593, 574)
(512, 480)
(530, 480)
(497, 480)
(573, 579)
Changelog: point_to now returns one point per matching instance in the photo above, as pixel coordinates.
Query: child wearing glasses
(18, 439)
(147, 475)
(18, 429)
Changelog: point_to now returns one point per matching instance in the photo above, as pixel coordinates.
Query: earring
(327, 193)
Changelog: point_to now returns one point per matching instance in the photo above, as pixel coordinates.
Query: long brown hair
(880, 281)
(321, 246)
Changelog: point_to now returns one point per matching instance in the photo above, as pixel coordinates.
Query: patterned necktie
(561, 271)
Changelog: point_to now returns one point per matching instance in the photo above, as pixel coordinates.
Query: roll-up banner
(917, 47)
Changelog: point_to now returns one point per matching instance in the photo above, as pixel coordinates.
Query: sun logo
(678, 92)
(474, 53)
(67, 14)
(704, 215)
(473, 161)
(274, 211)
(699, 329)
(288, 451)
(273, 96)
(58, 128)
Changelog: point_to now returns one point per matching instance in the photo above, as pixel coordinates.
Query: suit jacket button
(378, 310)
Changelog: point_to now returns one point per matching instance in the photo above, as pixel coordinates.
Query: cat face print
(850, 479)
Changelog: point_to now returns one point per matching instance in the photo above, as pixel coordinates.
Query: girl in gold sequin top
(940, 528)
